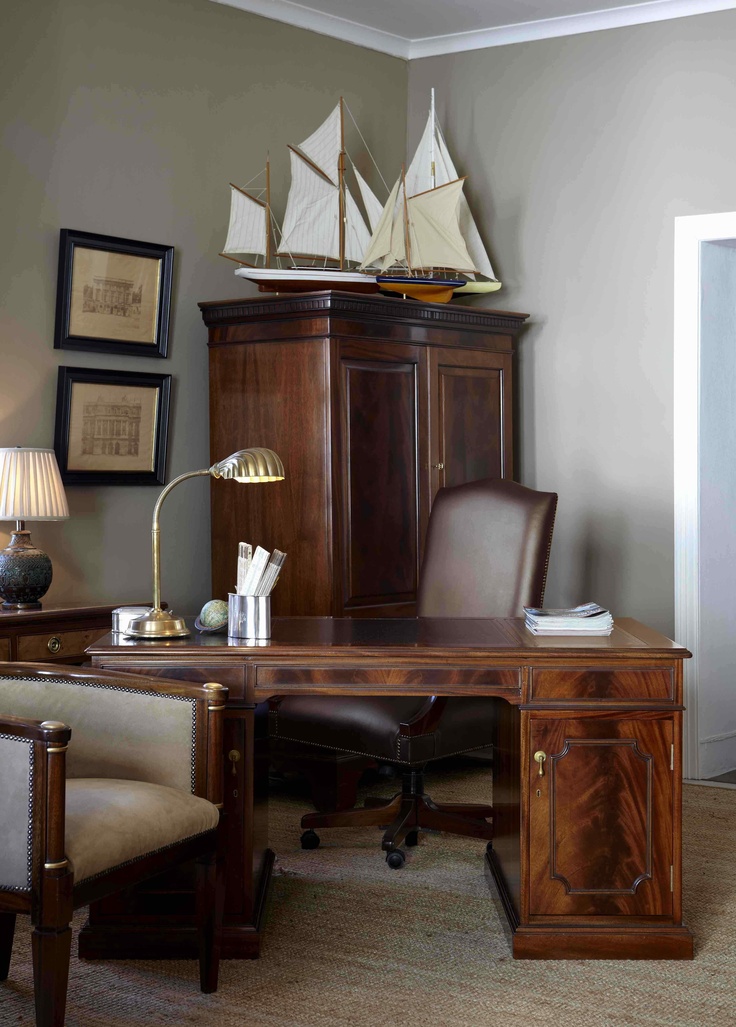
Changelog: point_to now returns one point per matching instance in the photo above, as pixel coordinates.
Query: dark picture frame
(112, 426)
(113, 295)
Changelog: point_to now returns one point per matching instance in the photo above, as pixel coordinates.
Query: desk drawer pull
(54, 644)
(234, 756)
(540, 757)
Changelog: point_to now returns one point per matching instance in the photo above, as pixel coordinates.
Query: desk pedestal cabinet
(586, 778)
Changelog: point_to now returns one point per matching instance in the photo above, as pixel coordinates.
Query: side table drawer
(57, 645)
(4, 649)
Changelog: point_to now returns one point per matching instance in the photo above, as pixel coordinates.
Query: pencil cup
(248, 616)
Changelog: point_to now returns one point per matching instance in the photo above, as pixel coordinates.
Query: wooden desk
(586, 857)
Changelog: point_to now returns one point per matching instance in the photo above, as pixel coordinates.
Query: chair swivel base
(407, 813)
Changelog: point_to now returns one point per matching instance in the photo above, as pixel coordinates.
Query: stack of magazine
(588, 619)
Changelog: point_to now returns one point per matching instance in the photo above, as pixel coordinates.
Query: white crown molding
(325, 24)
(305, 17)
(569, 25)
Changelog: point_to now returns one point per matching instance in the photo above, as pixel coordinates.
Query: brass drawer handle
(234, 756)
(54, 644)
(439, 467)
(540, 757)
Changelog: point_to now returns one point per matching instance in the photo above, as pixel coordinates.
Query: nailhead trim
(134, 691)
(372, 755)
(137, 859)
(29, 845)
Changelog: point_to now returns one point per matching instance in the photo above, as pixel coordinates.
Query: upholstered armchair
(486, 555)
(107, 779)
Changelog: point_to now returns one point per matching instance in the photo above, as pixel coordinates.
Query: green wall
(129, 119)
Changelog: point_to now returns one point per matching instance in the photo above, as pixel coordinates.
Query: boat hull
(308, 279)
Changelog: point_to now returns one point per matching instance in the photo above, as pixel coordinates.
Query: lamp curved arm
(155, 533)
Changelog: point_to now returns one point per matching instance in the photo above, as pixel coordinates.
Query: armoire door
(600, 815)
(470, 416)
(379, 458)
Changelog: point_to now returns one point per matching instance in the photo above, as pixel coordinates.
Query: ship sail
(312, 217)
(324, 145)
(373, 206)
(248, 228)
(430, 221)
(434, 233)
(419, 178)
(379, 250)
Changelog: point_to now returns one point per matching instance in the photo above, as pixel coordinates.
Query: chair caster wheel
(396, 859)
(310, 839)
(412, 839)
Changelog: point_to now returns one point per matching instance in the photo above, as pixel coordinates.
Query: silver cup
(248, 616)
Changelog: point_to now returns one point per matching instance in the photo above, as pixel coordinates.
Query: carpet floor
(351, 943)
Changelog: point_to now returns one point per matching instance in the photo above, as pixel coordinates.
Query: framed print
(113, 295)
(111, 426)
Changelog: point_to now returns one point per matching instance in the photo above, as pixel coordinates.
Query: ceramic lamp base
(25, 573)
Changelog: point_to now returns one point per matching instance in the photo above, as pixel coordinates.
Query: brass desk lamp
(247, 465)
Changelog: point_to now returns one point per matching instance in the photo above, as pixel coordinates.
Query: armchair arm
(427, 717)
(126, 725)
(32, 755)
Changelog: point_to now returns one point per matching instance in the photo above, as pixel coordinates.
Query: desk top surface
(291, 636)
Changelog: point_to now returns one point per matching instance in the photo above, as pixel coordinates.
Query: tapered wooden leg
(210, 902)
(51, 950)
(7, 929)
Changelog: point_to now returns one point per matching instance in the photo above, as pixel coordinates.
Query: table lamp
(247, 465)
(30, 490)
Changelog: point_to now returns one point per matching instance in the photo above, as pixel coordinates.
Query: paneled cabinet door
(380, 457)
(470, 416)
(600, 815)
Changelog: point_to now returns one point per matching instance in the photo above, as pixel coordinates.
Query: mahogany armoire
(373, 403)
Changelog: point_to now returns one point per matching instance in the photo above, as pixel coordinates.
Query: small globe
(213, 614)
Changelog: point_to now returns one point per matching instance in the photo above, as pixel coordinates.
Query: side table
(53, 634)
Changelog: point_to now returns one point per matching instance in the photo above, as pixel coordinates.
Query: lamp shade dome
(250, 465)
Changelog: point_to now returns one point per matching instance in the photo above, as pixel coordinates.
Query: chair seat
(111, 822)
(371, 726)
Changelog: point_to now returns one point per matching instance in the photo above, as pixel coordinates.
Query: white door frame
(690, 233)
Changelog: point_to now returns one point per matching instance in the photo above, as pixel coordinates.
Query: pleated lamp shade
(30, 490)
(30, 486)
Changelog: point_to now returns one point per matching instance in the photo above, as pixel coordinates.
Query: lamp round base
(157, 623)
(25, 572)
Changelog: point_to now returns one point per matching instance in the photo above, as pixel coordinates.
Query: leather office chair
(486, 555)
(139, 791)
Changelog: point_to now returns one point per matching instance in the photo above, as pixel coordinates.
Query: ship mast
(407, 245)
(341, 185)
(431, 145)
(268, 210)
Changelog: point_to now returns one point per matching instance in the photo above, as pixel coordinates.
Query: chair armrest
(32, 755)
(127, 725)
(427, 718)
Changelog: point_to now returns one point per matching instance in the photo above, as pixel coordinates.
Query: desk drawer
(642, 684)
(57, 645)
(4, 649)
(363, 680)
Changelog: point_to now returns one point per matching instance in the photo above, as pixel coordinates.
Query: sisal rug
(351, 943)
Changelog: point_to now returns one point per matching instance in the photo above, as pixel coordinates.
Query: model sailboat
(426, 242)
(322, 221)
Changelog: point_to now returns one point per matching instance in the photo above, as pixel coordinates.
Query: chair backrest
(487, 550)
